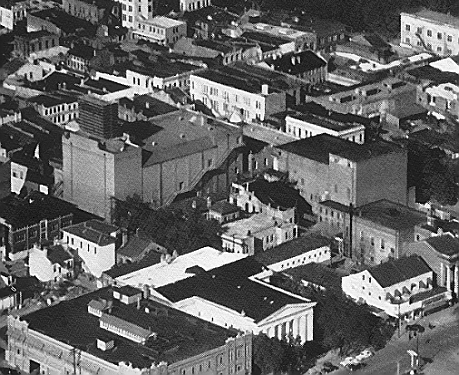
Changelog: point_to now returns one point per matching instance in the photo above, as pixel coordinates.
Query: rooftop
(58, 255)
(229, 286)
(52, 100)
(445, 244)
(66, 22)
(252, 225)
(34, 35)
(36, 207)
(136, 246)
(83, 51)
(390, 215)
(293, 248)
(325, 122)
(224, 208)
(165, 273)
(316, 273)
(320, 147)
(149, 106)
(296, 63)
(437, 17)
(162, 21)
(94, 231)
(161, 66)
(398, 270)
(178, 335)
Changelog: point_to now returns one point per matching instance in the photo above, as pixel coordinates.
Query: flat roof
(320, 147)
(178, 335)
(251, 226)
(293, 248)
(446, 244)
(390, 215)
(52, 100)
(161, 274)
(230, 287)
(162, 21)
(94, 231)
(325, 122)
(316, 273)
(161, 67)
(437, 17)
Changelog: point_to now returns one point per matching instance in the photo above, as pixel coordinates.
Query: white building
(191, 5)
(159, 29)
(171, 270)
(50, 264)
(229, 297)
(59, 109)
(430, 31)
(306, 125)
(12, 11)
(131, 9)
(402, 287)
(95, 243)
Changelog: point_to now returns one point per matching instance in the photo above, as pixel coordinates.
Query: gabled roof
(224, 208)
(292, 249)
(135, 246)
(93, 231)
(395, 271)
(58, 255)
(446, 244)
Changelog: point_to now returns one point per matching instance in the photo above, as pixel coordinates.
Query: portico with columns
(449, 275)
(290, 321)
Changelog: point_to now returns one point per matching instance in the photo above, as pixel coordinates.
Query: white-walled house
(50, 264)
(402, 287)
(95, 242)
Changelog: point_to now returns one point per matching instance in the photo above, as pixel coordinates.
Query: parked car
(364, 355)
(348, 360)
(328, 367)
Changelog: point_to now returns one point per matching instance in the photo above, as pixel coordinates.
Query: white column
(448, 278)
(302, 321)
(456, 279)
(279, 331)
(442, 274)
(295, 328)
(309, 327)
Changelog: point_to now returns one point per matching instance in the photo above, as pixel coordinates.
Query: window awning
(405, 290)
(422, 284)
(397, 293)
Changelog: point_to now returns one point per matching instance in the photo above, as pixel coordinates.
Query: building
(11, 12)
(142, 108)
(159, 29)
(100, 11)
(137, 248)
(171, 270)
(369, 46)
(441, 254)
(51, 264)
(330, 168)
(132, 10)
(259, 232)
(380, 230)
(401, 288)
(79, 58)
(191, 5)
(223, 212)
(175, 153)
(229, 297)
(34, 42)
(98, 117)
(57, 108)
(244, 92)
(304, 125)
(35, 219)
(160, 72)
(95, 243)
(305, 65)
(430, 31)
(118, 331)
(316, 275)
(295, 253)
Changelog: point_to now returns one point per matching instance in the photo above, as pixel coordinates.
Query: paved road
(440, 344)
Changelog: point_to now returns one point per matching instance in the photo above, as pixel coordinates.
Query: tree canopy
(175, 229)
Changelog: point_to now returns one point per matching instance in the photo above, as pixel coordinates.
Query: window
(439, 36)
(181, 185)
(429, 32)
(438, 49)
(407, 41)
(382, 244)
(372, 241)
(407, 27)
(209, 163)
(449, 38)
(419, 30)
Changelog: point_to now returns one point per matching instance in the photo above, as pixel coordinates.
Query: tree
(267, 353)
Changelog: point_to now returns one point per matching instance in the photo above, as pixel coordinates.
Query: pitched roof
(446, 244)
(320, 147)
(135, 246)
(229, 286)
(396, 271)
(317, 274)
(224, 207)
(296, 63)
(94, 231)
(57, 254)
(292, 249)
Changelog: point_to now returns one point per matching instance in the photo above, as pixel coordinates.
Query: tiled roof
(230, 287)
(396, 271)
(446, 244)
(292, 249)
(321, 146)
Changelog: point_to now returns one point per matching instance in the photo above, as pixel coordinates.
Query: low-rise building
(430, 31)
(34, 42)
(191, 5)
(401, 288)
(137, 248)
(79, 57)
(441, 253)
(259, 232)
(142, 108)
(51, 263)
(119, 331)
(99, 11)
(11, 12)
(59, 109)
(95, 243)
(159, 29)
(229, 297)
(223, 212)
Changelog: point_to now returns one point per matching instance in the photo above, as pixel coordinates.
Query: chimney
(264, 89)
(293, 60)
(147, 105)
(146, 291)
(193, 204)
(209, 202)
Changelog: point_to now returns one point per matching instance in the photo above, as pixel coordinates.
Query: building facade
(11, 12)
(34, 42)
(159, 29)
(58, 109)
(92, 11)
(430, 31)
(191, 5)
